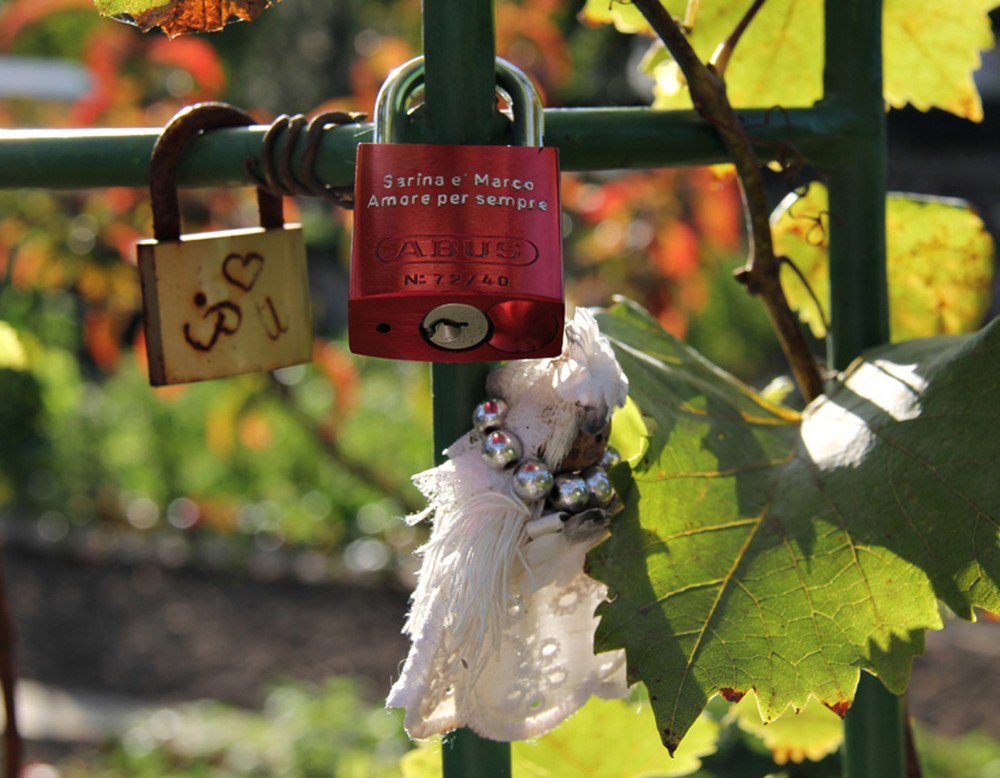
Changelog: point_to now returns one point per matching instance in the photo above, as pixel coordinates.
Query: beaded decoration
(502, 619)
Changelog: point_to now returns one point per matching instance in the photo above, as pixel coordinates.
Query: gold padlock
(218, 304)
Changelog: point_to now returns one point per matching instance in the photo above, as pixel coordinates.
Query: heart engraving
(242, 270)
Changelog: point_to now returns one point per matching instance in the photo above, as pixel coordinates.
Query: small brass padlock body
(218, 304)
(457, 250)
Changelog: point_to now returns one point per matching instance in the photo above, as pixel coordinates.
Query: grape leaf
(596, 742)
(625, 17)
(178, 17)
(760, 550)
(785, 37)
(931, 50)
(599, 742)
(811, 733)
(939, 262)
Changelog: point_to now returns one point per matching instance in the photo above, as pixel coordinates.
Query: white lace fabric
(502, 624)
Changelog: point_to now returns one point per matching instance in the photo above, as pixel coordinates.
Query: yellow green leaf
(785, 37)
(629, 433)
(597, 742)
(119, 7)
(600, 742)
(811, 733)
(939, 262)
(931, 50)
(624, 16)
(424, 761)
(12, 353)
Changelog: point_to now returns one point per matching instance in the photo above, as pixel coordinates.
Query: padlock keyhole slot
(455, 326)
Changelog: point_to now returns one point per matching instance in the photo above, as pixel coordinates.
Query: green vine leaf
(811, 733)
(596, 742)
(625, 17)
(939, 262)
(600, 742)
(13, 355)
(763, 551)
(931, 51)
(178, 17)
(780, 40)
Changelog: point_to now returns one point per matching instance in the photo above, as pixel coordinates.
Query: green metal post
(853, 86)
(460, 106)
(874, 745)
(587, 139)
(874, 733)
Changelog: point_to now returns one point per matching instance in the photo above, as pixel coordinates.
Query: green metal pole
(853, 85)
(874, 744)
(460, 107)
(587, 139)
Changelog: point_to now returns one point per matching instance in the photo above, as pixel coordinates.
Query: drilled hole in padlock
(522, 326)
(383, 327)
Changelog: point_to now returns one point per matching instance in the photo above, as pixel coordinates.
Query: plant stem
(8, 678)
(761, 273)
(721, 56)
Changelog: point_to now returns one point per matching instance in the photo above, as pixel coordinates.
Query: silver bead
(532, 480)
(501, 448)
(569, 493)
(489, 415)
(598, 485)
(609, 458)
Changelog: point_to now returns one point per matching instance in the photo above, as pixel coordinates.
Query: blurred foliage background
(303, 473)
(289, 461)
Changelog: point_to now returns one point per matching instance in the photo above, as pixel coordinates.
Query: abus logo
(460, 248)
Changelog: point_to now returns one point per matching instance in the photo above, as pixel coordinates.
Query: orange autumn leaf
(341, 371)
(677, 251)
(529, 36)
(198, 58)
(178, 17)
(718, 213)
(255, 432)
(103, 333)
(673, 321)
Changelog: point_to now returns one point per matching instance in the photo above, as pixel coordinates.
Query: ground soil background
(144, 632)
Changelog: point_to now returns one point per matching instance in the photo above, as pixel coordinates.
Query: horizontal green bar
(588, 139)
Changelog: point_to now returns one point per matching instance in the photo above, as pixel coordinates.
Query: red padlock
(457, 250)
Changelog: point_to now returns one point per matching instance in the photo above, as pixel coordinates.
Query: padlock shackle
(187, 124)
(512, 83)
(522, 95)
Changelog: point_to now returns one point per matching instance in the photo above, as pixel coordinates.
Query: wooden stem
(13, 746)
(721, 56)
(760, 274)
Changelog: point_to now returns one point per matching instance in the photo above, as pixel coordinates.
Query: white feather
(502, 619)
